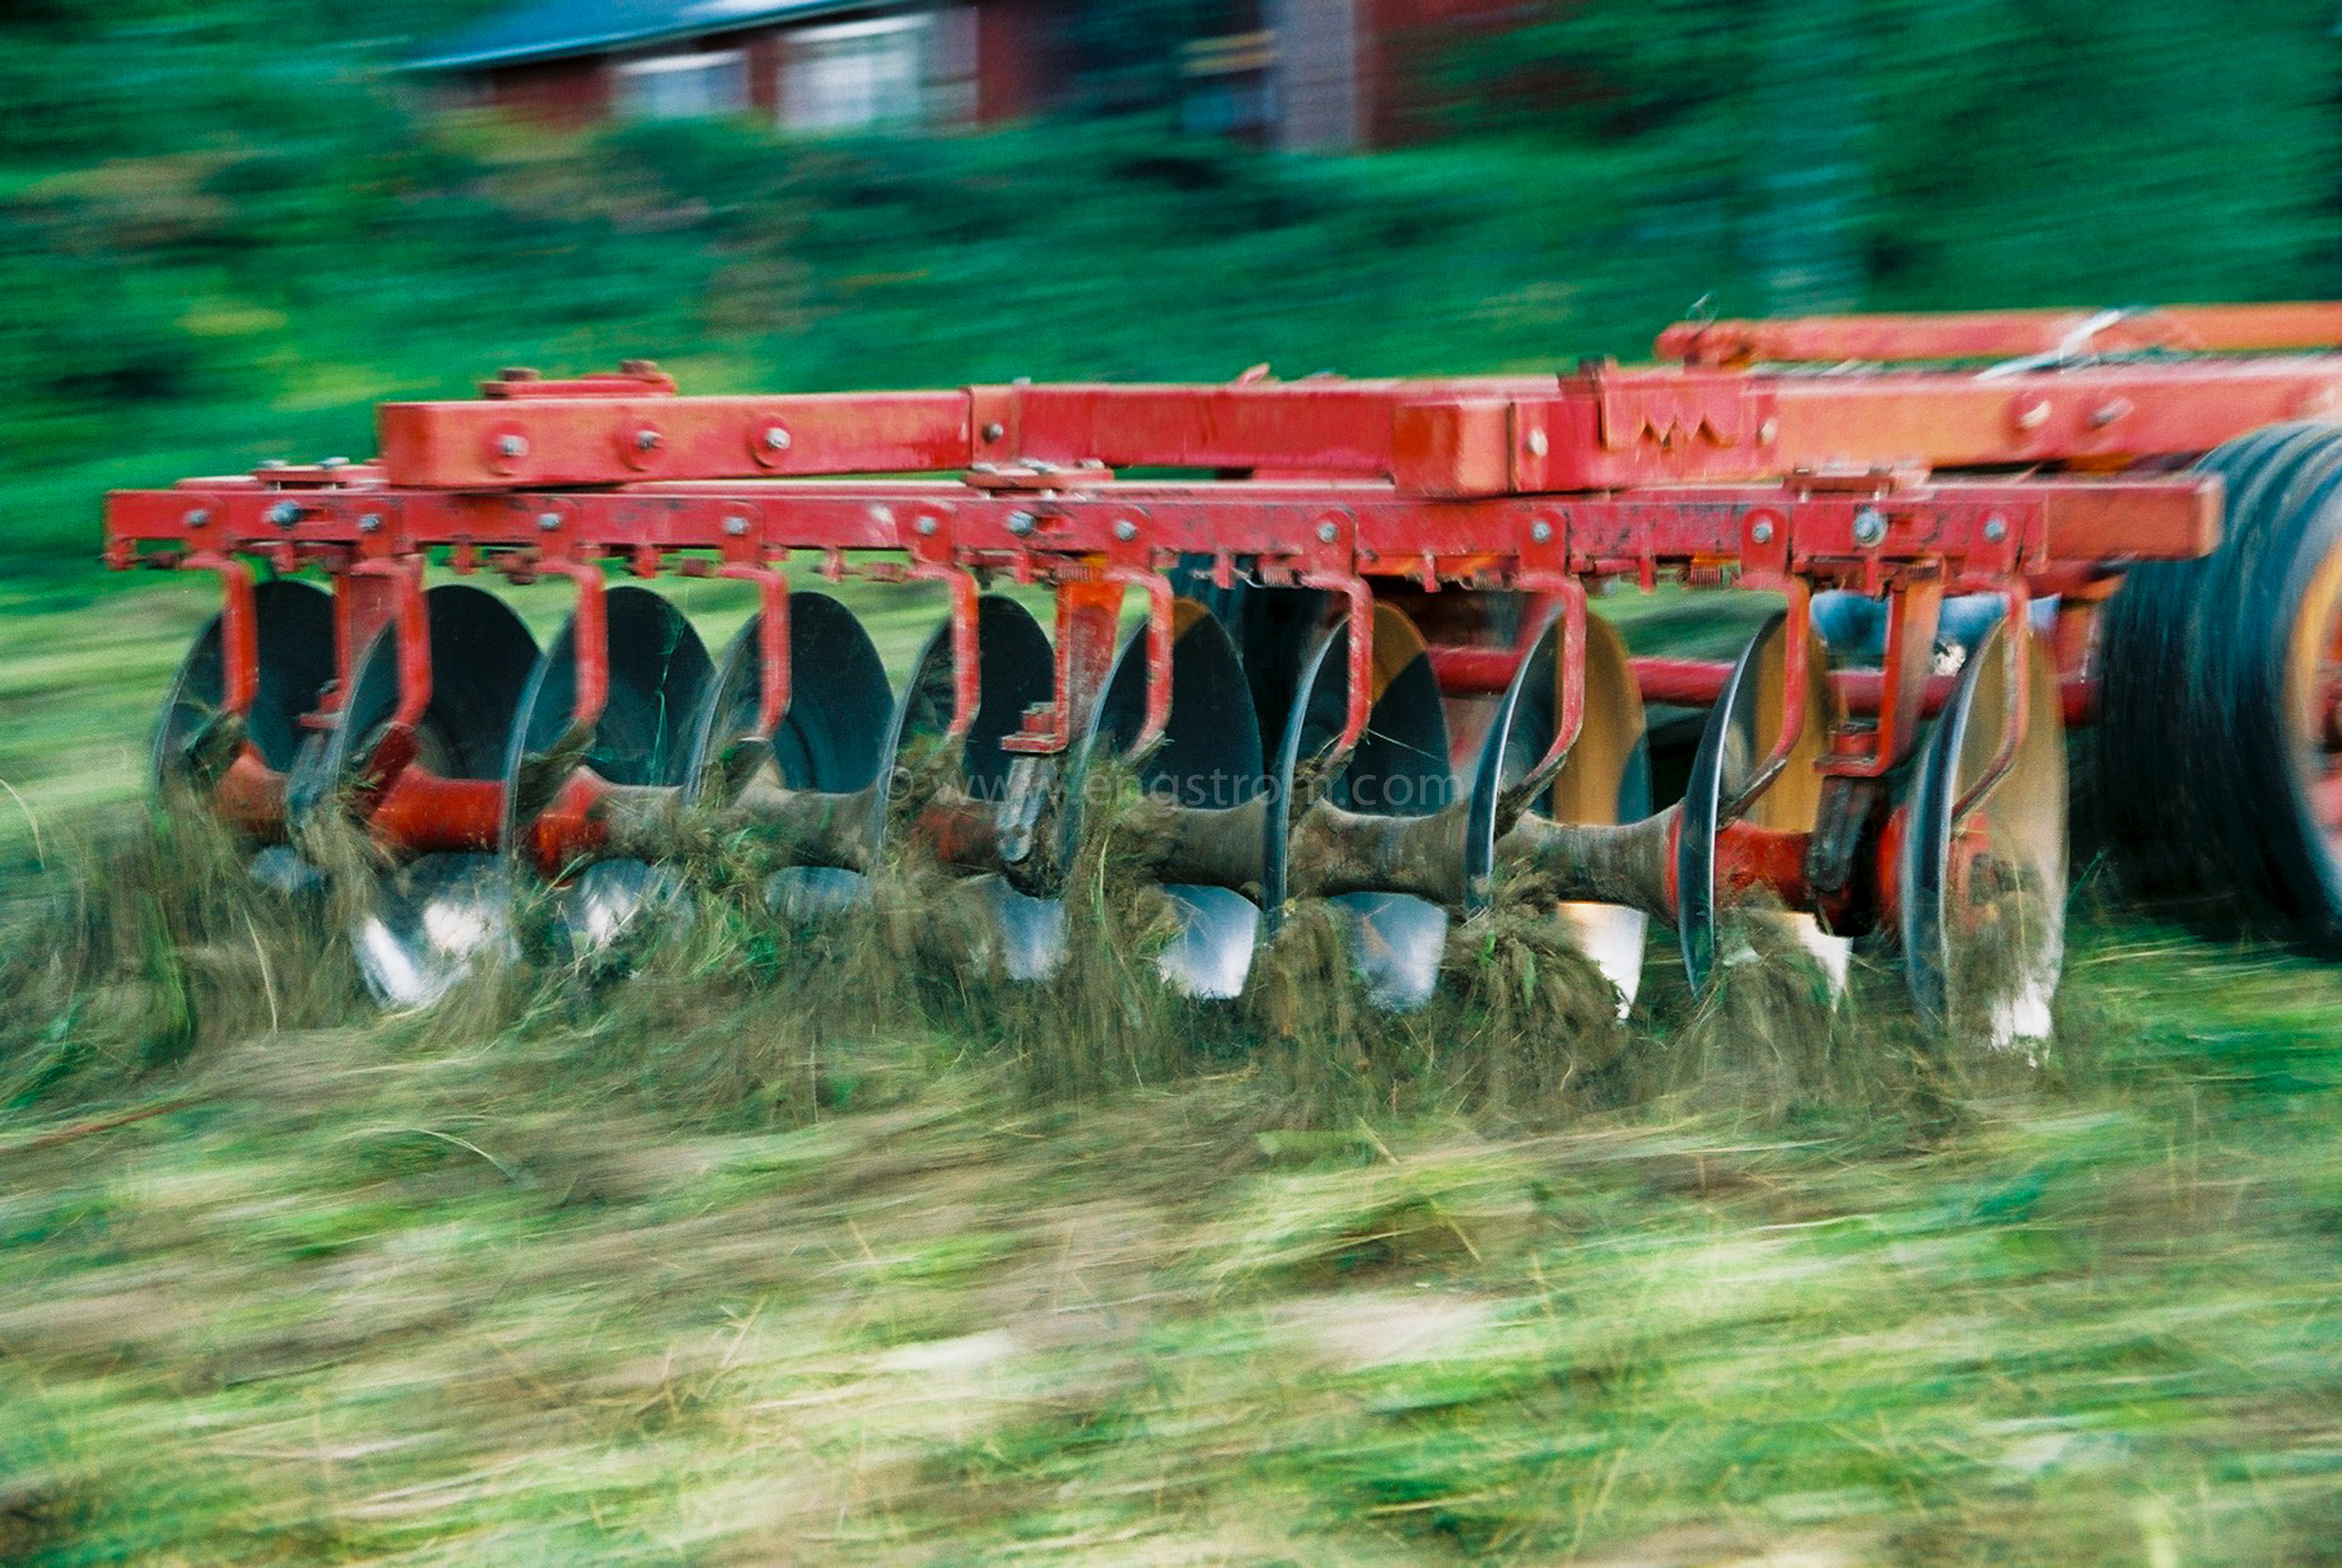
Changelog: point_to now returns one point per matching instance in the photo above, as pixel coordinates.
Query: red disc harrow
(1366, 665)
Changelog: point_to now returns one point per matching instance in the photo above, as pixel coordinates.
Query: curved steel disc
(1605, 779)
(1984, 900)
(1210, 760)
(1400, 768)
(1741, 731)
(427, 921)
(832, 738)
(1014, 671)
(293, 624)
(658, 674)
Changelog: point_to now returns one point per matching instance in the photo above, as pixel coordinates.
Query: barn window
(683, 86)
(899, 70)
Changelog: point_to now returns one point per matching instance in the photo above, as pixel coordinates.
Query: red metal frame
(1905, 483)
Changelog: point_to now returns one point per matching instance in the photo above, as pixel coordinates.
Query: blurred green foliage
(225, 230)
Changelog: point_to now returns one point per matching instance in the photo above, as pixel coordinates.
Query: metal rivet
(1768, 432)
(776, 438)
(2034, 416)
(1125, 530)
(1870, 526)
(512, 446)
(735, 526)
(2107, 413)
(198, 517)
(647, 440)
(1541, 531)
(1021, 523)
(1537, 443)
(284, 514)
(1996, 527)
(927, 526)
(1761, 531)
(1328, 532)
(993, 431)
(370, 524)
(548, 521)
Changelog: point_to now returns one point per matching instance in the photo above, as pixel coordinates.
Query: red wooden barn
(1324, 75)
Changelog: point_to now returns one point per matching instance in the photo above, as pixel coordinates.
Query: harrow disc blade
(1741, 731)
(1607, 779)
(658, 673)
(293, 624)
(422, 923)
(195, 742)
(1014, 671)
(1400, 768)
(1983, 897)
(1210, 760)
(832, 737)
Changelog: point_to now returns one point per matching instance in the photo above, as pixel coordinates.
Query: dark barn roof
(552, 29)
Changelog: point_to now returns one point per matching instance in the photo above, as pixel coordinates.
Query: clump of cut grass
(1527, 1015)
(1315, 1034)
(154, 941)
(1769, 1037)
(1107, 1020)
(1518, 1021)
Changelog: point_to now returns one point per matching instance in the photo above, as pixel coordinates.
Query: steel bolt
(1870, 526)
(1541, 531)
(993, 431)
(1768, 432)
(2032, 416)
(1996, 527)
(776, 438)
(1022, 523)
(548, 521)
(284, 514)
(1125, 530)
(647, 440)
(1537, 443)
(370, 524)
(1761, 531)
(1329, 531)
(198, 517)
(927, 526)
(736, 527)
(512, 446)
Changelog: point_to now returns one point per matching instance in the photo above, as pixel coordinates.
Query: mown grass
(826, 1250)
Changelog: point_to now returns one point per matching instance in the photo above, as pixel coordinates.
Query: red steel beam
(1605, 429)
(2004, 335)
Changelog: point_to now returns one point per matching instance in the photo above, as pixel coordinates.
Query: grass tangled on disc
(740, 1004)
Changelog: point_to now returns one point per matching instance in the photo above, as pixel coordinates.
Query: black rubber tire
(2194, 786)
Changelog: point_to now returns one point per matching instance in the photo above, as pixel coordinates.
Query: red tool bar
(2005, 334)
(1605, 429)
(1995, 527)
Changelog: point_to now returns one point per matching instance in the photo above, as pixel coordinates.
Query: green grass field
(826, 1252)
(760, 1257)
